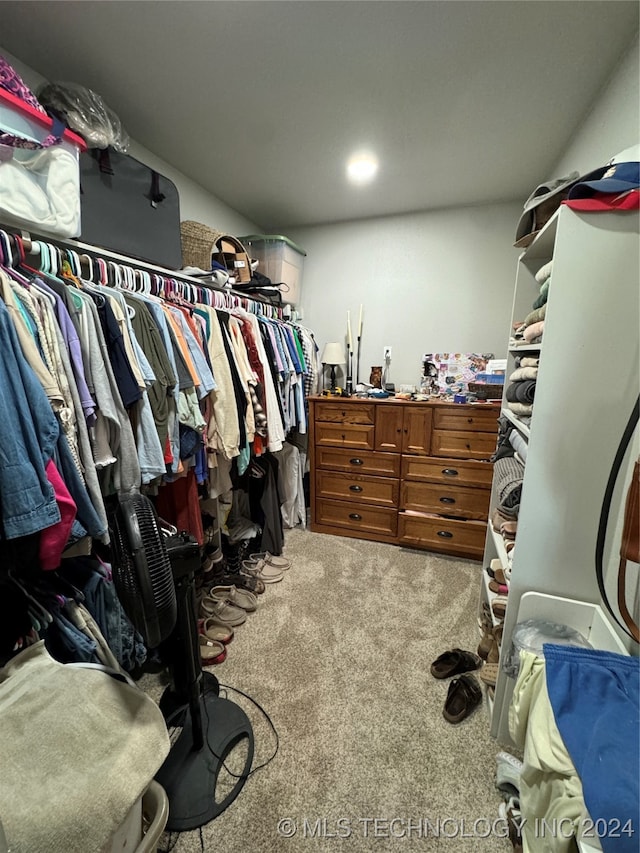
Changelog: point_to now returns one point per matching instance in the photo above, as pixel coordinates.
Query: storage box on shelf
(587, 381)
(378, 472)
(281, 260)
(39, 187)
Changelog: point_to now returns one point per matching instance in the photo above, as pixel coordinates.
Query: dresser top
(490, 405)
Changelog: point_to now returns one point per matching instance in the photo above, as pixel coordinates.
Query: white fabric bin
(39, 187)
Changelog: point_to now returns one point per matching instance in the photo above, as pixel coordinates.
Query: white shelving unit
(588, 381)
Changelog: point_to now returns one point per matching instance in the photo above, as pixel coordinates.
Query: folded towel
(526, 361)
(543, 295)
(507, 477)
(519, 444)
(544, 272)
(524, 373)
(534, 331)
(522, 392)
(536, 315)
(520, 409)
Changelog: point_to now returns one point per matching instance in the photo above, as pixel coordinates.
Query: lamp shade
(333, 354)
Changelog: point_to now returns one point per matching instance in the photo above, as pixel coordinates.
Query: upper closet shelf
(526, 348)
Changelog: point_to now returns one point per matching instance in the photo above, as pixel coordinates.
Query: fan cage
(142, 570)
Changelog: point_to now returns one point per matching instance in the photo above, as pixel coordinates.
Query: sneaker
(277, 562)
(508, 770)
(232, 595)
(263, 571)
(222, 611)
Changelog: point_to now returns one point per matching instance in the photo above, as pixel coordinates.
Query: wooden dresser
(408, 473)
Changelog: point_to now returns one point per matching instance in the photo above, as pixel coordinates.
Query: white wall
(613, 123)
(195, 202)
(433, 281)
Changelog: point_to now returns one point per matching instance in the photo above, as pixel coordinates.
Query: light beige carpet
(339, 654)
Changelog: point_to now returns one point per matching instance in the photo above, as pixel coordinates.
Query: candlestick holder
(349, 381)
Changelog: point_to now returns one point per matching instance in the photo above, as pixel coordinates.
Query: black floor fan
(154, 576)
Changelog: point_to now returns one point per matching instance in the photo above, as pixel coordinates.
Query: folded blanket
(520, 409)
(519, 444)
(534, 331)
(507, 477)
(524, 373)
(544, 272)
(521, 392)
(526, 361)
(543, 296)
(535, 316)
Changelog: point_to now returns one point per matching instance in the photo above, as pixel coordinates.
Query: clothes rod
(29, 237)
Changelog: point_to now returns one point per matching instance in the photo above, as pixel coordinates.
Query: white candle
(349, 330)
(360, 322)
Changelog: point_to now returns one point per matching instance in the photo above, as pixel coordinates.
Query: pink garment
(53, 539)
(534, 331)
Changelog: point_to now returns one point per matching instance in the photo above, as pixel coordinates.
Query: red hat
(629, 200)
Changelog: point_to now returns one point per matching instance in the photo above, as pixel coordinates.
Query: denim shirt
(29, 435)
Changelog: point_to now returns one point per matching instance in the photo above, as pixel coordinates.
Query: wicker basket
(198, 244)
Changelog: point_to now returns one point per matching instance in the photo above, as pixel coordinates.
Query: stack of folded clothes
(508, 471)
(531, 329)
(520, 393)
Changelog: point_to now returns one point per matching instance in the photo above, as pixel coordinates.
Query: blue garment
(595, 697)
(29, 435)
(85, 510)
(67, 643)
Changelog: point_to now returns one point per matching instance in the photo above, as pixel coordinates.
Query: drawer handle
(447, 500)
(355, 488)
(355, 516)
(469, 420)
(449, 472)
(356, 461)
(445, 534)
(344, 414)
(468, 446)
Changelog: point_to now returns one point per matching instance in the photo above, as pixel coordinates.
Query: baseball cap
(628, 200)
(540, 206)
(619, 175)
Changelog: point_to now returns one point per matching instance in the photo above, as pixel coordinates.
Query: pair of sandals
(464, 694)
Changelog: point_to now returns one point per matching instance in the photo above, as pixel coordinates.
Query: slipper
(221, 611)
(455, 662)
(499, 606)
(232, 595)
(463, 696)
(277, 562)
(497, 574)
(500, 588)
(489, 674)
(214, 630)
(211, 653)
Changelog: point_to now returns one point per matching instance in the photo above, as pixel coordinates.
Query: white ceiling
(262, 102)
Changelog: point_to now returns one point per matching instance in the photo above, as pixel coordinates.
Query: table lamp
(333, 355)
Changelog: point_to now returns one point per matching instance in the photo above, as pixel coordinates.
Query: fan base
(190, 776)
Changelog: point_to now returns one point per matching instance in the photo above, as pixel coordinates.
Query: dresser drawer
(451, 471)
(361, 413)
(471, 421)
(349, 436)
(380, 491)
(446, 499)
(465, 445)
(368, 519)
(364, 462)
(465, 538)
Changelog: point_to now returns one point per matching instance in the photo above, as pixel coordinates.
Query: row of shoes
(491, 623)
(224, 606)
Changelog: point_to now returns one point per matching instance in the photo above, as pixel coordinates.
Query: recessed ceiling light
(362, 167)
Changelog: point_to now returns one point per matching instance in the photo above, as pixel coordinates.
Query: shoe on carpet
(263, 571)
(222, 611)
(232, 595)
(454, 662)
(273, 560)
(463, 697)
(214, 630)
(211, 652)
